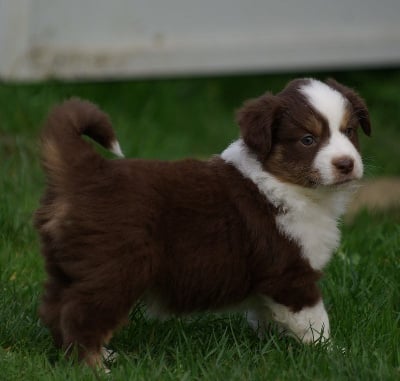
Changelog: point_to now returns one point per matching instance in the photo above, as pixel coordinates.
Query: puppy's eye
(349, 132)
(307, 140)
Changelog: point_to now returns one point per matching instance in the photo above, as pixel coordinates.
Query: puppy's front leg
(259, 320)
(310, 324)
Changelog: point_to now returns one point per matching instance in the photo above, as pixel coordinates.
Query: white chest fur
(317, 234)
(309, 216)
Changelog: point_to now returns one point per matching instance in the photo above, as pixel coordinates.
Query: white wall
(105, 38)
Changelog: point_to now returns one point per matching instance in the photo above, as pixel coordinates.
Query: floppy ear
(357, 102)
(256, 119)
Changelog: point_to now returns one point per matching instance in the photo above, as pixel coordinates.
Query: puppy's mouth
(350, 183)
(314, 180)
(344, 181)
(336, 184)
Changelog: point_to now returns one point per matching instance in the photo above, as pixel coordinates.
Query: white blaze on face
(332, 106)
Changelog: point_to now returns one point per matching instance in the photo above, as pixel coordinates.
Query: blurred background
(101, 39)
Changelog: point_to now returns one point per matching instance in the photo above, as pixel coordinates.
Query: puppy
(254, 226)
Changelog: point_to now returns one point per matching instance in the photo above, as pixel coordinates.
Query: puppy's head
(307, 134)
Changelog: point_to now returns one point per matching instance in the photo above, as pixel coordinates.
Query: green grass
(171, 119)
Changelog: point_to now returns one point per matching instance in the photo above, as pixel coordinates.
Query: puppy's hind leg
(51, 303)
(94, 308)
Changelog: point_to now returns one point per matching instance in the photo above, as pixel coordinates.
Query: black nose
(344, 164)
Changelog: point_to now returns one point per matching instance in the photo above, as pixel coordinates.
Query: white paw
(108, 355)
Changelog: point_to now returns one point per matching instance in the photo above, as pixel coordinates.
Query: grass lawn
(171, 119)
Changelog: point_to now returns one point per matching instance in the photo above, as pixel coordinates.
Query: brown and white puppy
(251, 227)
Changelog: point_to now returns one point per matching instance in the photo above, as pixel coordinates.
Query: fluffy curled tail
(64, 152)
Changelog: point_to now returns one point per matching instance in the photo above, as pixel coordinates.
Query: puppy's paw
(109, 356)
